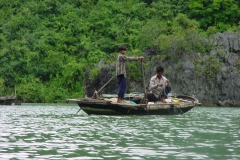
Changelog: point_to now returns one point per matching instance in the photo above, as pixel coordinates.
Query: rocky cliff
(213, 78)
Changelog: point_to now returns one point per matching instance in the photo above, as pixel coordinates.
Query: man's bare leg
(119, 100)
(163, 100)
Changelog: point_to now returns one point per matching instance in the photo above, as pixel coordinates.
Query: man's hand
(140, 58)
(159, 84)
(167, 81)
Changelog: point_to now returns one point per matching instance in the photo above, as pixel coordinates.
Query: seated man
(157, 86)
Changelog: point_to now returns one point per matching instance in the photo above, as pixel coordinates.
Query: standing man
(121, 71)
(157, 86)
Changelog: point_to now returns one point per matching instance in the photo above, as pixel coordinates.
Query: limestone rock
(224, 89)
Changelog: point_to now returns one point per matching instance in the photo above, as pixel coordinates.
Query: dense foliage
(46, 46)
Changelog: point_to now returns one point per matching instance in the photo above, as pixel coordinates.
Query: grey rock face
(224, 89)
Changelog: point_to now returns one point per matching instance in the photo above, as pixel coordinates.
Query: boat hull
(6, 101)
(110, 107)
(91, 109)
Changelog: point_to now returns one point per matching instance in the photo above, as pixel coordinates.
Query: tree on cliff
(46, 46)
(220, 14)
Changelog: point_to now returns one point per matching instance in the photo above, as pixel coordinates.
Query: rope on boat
(175, 110)
(178, 110)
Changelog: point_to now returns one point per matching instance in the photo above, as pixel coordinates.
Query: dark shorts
(151, 97)
(121, 85)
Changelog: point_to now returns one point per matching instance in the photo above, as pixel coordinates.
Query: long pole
(144, 87)
(106, 83)
(95, 94)
(15, 91)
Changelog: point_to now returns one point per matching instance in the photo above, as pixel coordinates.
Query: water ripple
(52, 131)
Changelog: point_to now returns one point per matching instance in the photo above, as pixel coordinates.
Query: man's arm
(132, 58)
(152, 84)
(125, 58)
(166, 81)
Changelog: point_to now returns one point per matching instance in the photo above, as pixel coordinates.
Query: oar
(106, 83)
(143, 79)
(79, 110)
(144, 87)
(95, 95)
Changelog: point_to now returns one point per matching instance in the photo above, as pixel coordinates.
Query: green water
(51, 131)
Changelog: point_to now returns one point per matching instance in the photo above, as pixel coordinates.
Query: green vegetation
(218, 14)
(208, 67)
(46, 46)
(2, 87)
(238, 65)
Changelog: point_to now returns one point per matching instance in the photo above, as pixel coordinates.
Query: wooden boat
(135, 105)
(7, 100)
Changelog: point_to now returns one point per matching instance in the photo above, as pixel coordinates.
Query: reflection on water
(51, 131)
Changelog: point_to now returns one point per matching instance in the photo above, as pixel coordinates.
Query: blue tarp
(126, 95)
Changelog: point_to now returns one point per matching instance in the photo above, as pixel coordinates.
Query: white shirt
(155, 89)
